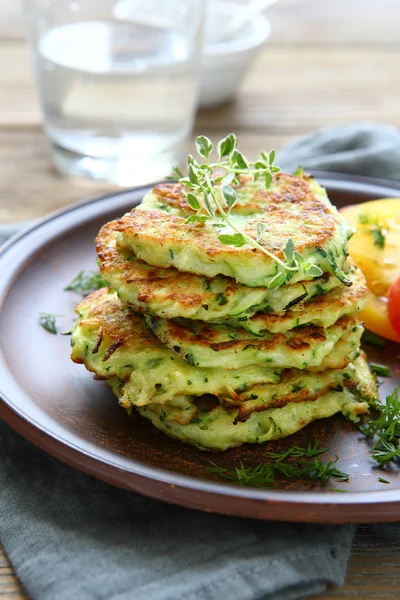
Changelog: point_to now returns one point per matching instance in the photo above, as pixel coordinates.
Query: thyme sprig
(293, 464)
(386, 429)
(211, 195)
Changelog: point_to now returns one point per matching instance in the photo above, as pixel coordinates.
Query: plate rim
(312, 504)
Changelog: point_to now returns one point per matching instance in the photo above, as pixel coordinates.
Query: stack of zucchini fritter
(191, 336)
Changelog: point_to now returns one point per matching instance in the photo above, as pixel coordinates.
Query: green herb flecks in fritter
(169, 293)
(293, 208)
(112, 341)
(246, 325)
(323, 311)
(212, 426)
(153, 373)
(216, 429)
(205, 345)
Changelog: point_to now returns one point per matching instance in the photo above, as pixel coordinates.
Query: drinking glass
(117, 83)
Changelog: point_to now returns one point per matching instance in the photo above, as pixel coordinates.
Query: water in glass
(118, 98)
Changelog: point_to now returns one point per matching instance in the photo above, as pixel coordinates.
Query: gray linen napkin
(361, 149)
(71, 536)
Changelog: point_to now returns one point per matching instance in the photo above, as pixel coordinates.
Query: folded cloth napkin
(70, 536)
(361, 149)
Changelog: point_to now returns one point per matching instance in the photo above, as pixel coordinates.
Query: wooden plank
(10, 587)
(374, 569)
(19, 106)
(29, 182)
(297, 90)
(288, 91)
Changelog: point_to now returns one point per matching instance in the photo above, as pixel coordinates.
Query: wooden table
(327, 63)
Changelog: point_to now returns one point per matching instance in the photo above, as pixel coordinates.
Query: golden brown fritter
(295, 208)
(169, 293)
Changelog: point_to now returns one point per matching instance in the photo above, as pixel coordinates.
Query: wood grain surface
(327, 63)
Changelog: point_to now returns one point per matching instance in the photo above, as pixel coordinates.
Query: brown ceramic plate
(57, 405)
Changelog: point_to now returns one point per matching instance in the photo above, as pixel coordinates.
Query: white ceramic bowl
(225, 63)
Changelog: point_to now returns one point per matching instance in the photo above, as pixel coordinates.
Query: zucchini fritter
(112, 341)
(169, 293)
(294, 208)
(322, 310)
(210, 345)
(212, 356)
(153, 373)
(216, 429)
(209, 425)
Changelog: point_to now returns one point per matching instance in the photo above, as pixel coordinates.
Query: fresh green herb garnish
(381, 480)
(299, 172)
(85, 283)
(384, 452)
(212, 197)
(372, 339)
(372, 226)
(379, 238)
(293, 464)
(386, 428)
(48, 322)
(380, 369)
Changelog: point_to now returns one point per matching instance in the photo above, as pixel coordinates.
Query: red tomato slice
(393, 305)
